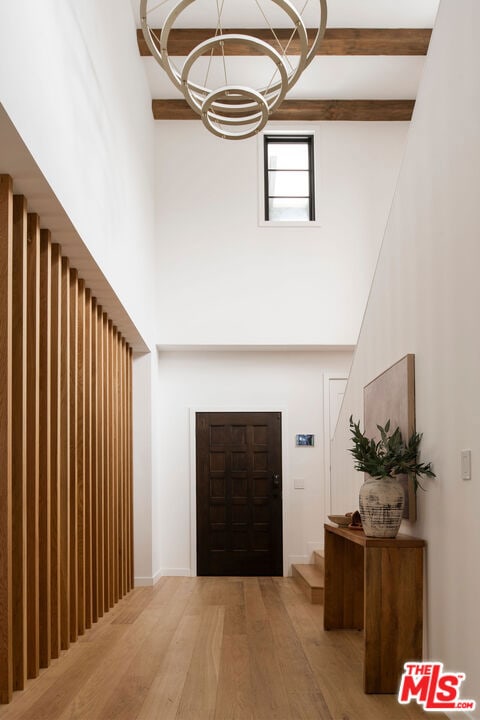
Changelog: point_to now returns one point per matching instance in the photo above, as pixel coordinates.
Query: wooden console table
(376, 585)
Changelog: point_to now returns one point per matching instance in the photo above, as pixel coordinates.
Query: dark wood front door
(239, 493)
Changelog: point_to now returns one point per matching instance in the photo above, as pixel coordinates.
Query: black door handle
(276, 480)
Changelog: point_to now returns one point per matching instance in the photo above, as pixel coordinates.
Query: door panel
(239, 494)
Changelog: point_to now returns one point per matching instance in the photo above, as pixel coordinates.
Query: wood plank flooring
(209, 649)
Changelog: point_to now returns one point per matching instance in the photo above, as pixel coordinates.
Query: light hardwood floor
(209, 649)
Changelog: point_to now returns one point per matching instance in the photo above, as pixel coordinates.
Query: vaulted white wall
(424, 300)
(223, 279)
(73, 84)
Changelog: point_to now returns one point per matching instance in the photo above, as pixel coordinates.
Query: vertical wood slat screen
(65, 451)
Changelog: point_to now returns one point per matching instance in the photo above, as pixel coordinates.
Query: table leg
(393, 615)
(343, 583)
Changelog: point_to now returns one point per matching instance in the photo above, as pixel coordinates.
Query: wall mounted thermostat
(304, 440)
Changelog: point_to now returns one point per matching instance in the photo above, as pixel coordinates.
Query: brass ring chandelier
(234, 110)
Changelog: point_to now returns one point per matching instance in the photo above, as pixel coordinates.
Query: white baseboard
(175, 572)
(143, 582)
(147, 581)
(163, 572)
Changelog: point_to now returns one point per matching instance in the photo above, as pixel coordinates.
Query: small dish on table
(340, 520)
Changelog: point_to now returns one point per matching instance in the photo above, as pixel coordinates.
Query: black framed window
(289, 178)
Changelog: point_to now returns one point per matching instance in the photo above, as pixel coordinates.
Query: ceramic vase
(381, 506)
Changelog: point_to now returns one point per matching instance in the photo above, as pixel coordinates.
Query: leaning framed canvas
(391, 396)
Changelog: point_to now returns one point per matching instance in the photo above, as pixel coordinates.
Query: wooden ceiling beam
(337, 41)
(306, 110)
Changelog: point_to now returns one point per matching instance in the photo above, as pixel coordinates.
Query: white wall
(425, 299)
(223, 279)
(72, 82)
(291, 382)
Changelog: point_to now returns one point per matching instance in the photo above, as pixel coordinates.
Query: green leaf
(389, 456)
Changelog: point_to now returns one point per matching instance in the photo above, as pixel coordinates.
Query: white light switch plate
(299, 484)
(466, 460)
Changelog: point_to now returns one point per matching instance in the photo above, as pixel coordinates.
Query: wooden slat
(87, 446)
(33, 361)
(94, 460)
(6, 260)
(126, 479)
(336, 41)
(130, 462)
(73, 352)
(107, 463)
(120, 532)
(55, 446)
(127, 466)
(126, 587)
(115, 461)
(114, 466)
(19, 442)
(65, 415)
(123, 523)
(44, 567)
(111, 503)
(119, 466)
(100, 466)
(306, 110)
(81, 457)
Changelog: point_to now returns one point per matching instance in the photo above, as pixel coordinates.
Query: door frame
(327, 377)
(193, 471)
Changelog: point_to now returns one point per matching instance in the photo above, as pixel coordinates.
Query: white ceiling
(341, 13)
(328, 77)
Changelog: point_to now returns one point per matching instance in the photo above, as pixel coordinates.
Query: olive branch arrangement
(390, 456)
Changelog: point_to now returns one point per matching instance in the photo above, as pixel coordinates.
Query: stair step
(319, 560)
(310, 579)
